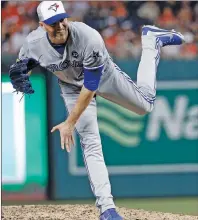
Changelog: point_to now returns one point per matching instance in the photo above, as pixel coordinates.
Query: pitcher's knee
(146, 109)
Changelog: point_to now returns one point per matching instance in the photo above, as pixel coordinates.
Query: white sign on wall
(13, 137)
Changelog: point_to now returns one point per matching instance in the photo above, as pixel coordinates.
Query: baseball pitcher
(77, 55)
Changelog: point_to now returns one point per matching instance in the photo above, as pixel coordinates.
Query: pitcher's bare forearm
(83, 101)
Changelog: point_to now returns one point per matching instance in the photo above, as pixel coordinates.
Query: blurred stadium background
(152, 160)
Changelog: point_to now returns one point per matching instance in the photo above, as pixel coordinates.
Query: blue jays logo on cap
(53, 7)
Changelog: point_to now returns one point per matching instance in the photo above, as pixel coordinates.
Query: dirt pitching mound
(80, 212)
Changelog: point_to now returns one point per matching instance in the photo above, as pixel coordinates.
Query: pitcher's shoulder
(80, 25)
(84, 32)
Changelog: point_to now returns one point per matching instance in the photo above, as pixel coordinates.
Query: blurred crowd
(118, 22)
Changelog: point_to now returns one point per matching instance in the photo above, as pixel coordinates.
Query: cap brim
(56, 18)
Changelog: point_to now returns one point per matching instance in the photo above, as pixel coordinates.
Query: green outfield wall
(24, 141)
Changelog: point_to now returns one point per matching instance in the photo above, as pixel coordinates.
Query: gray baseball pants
(118, 88)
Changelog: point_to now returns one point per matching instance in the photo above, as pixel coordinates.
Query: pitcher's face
(58, 31)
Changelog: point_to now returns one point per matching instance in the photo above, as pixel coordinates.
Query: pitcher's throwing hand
(66, 134)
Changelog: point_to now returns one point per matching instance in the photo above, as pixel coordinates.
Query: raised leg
(139, 97)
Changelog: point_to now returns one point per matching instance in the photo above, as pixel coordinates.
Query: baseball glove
(19, 75)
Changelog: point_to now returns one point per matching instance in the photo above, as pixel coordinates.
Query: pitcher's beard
(60, 38)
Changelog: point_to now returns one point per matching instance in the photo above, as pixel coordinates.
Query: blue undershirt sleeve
(92, 77)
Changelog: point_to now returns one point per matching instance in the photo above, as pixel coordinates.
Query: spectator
(118, 22)
(149, 10)
(167, 19)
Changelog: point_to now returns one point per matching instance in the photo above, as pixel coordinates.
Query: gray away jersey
(85, 48)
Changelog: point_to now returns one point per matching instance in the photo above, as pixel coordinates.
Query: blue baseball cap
(51, 12)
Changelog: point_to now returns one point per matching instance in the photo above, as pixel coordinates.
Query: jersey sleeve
(93, 62)
(24, 51)
(93, 56)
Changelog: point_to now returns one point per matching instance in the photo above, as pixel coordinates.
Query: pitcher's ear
(41, 24)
